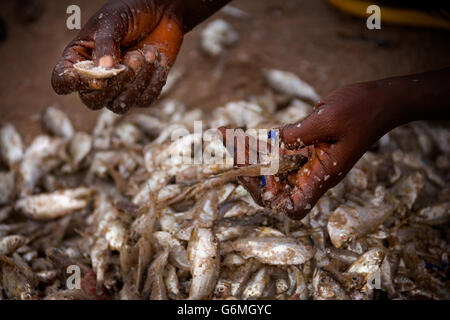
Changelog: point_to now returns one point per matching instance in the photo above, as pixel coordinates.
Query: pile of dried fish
(110, 215)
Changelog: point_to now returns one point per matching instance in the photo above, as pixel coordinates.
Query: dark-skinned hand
(143, 35)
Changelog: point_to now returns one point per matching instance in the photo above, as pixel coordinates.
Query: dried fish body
(5, 212)
(326, 288)
(289, 84)
(100, 259)
(151, 126)
(233, 259)
(244, 113)
(206, 211)
(434, 215)
(350, 221)
(356, 179)
(216, 36)
(256, 285)
(274, 250)
(172, 110)
(7, 187)
(40, 158)
(298, 289)
(156, 182)
(15, 284)
(295, 112)
(154, 286)
(368, 264)
(407, 189)
(57, 123)
(225, 233)
(416, 162)
(238, 209)
(109, 224)
(9, 244)
(54, 205)
(11, 146)
(172, 283)
(177, 253)
(79, 148)
(104, 128)
(129, 290)
(203, 253)
(126, 134)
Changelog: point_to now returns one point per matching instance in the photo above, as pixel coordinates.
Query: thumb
(106, 52)
(312, 130)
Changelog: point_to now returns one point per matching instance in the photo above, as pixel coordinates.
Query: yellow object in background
(394, 15)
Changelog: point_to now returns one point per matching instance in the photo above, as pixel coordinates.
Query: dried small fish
(57, 123)
(7, 185)
(203, 253)
(256, 285)
(10, 244)
(350, 221)
(177, 253)
(368, 264)
(217, 35)
(273, 250)
(11, 146)
(288, 83)
(80, 147)
(54, 205)
(326, 288)
(154, 286)
(434, 215)
(298, 289)
(172, 283)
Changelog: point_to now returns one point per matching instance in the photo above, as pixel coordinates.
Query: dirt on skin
(308, 37)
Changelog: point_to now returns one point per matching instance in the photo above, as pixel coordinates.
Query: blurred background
(323, 46)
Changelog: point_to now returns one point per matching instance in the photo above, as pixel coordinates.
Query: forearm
(193, 12)
(423, 96)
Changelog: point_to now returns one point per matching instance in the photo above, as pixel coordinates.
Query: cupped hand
(342, 127)
(143, 35)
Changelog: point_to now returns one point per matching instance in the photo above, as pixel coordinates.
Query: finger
(65, 79)
(328, 166)
(134, 60)
(167, 37)
(157, 82)
(106, 52)
(318, 126)
(127, 99)
(254, 185)
(101, 98)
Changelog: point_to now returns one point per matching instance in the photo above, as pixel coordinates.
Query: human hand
(143, 35)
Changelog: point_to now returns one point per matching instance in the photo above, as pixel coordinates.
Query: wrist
(416, 97)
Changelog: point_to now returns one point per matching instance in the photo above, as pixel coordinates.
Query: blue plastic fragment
(263, 181)
(273, 135)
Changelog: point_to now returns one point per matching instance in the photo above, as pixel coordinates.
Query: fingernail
(106, 62)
